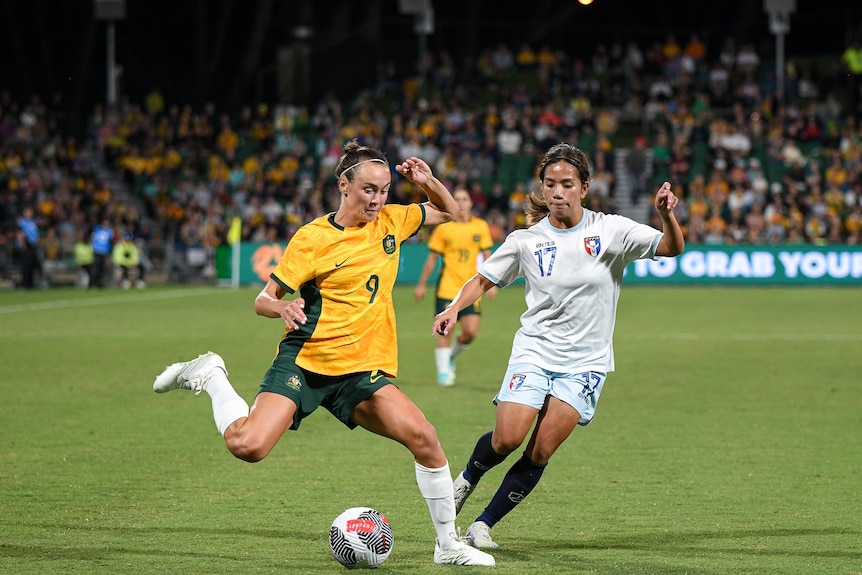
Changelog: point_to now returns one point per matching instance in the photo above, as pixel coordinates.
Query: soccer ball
(361, 538)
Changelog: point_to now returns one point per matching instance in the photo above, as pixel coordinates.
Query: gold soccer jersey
(460, 245)
(346, 276)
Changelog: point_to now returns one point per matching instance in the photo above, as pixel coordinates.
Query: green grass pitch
(729, 440)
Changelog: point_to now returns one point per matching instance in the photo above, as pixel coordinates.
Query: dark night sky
(198, 50)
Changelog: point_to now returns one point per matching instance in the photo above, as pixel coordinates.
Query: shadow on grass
(102, 552)
(103, 548)
(688, 541)
(669, 543)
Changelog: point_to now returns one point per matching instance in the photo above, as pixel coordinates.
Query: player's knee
(247, 449)
(540, 457)
(426, 435)
(505, 444)
(422, 440)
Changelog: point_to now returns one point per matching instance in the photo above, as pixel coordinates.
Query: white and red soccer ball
(361, 538)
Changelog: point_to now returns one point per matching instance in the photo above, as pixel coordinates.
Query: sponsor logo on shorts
(517, 381)
(293, 382)
(375, 376)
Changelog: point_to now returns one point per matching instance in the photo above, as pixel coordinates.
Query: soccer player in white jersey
(572, 260)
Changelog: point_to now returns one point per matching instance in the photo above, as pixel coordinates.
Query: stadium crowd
(751, 164)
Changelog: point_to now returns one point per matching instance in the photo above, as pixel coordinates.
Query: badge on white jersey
(593, 245)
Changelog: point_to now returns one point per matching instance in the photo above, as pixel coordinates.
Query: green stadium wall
(700, 265)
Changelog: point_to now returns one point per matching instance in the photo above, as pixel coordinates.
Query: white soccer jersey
(573, 280)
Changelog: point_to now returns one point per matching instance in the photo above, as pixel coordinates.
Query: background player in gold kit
(460, 242)
(339, 347)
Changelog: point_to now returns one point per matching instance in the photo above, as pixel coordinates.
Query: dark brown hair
(354, 154)
(536, 208)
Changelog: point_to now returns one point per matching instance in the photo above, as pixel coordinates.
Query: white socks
(441, 358)
(436, 487)
(458, 348)
(228, 406)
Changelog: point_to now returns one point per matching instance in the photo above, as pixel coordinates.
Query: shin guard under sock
(519, 481)
(482, 459)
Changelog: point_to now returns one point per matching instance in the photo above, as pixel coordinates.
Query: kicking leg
(249, 434)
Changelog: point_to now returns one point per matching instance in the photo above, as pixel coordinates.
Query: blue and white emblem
(593, 245)
(517, 381)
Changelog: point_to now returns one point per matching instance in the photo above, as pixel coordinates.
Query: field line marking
(108, 299)
(746, 336)
(837, 337)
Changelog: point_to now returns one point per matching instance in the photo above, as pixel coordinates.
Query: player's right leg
(192, 375)
(462, 488)
(479, 536)
(251, 439)
(249, 434)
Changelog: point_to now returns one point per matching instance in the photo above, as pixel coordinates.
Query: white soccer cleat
(459, 553)
(445, 379)
(479, 536)
(191, 375)
(463, 489)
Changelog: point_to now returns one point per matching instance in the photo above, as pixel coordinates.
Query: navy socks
(519, 481)
(482, 459)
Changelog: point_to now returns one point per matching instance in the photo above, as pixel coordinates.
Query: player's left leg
(443, 360)
(470, 324)
(390, 413)
(469, 320)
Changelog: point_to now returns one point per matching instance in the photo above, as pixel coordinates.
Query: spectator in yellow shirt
(127, 259)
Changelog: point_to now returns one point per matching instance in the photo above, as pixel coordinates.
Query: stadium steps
(114, 181)
(159, 254)
(622, 197)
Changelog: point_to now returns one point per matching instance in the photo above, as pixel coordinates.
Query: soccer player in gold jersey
(460, 243)
(339, 348)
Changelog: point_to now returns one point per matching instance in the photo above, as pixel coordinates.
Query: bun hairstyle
(536, 208)
(354, 154)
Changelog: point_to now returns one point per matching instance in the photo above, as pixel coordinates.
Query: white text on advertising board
(755, 264)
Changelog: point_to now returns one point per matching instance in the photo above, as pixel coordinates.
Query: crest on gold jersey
(389, 244)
